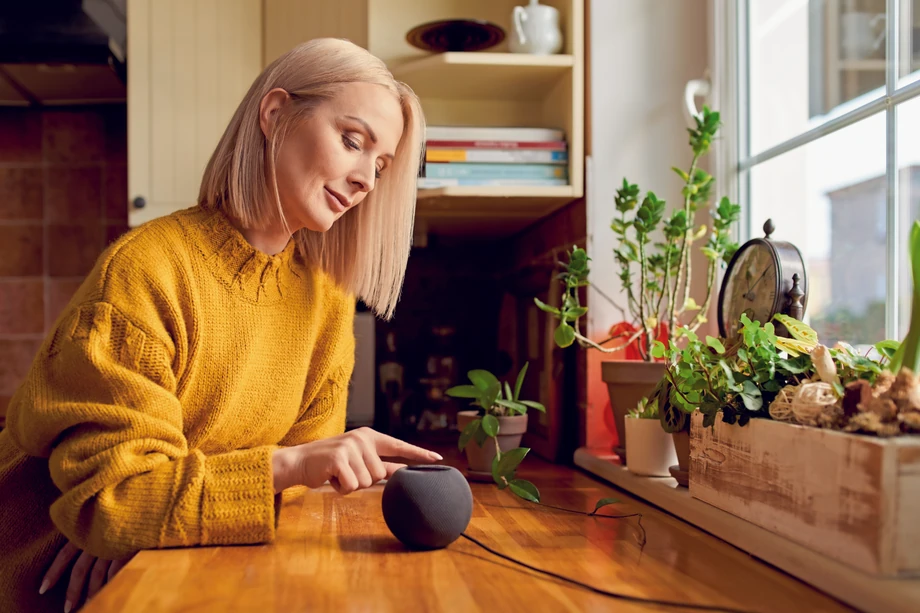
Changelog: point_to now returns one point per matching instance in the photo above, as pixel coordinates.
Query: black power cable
(597, 590)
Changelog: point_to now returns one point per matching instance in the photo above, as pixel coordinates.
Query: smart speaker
(427, 506)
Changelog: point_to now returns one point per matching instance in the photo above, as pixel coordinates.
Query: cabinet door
(291, 22)
(190, 62)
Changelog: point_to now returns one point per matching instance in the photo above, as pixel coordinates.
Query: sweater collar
(241, 267)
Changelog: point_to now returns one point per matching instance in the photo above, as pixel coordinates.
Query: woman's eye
(377, 173)
(350, 143)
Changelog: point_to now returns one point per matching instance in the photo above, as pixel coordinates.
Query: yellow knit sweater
(150, 414)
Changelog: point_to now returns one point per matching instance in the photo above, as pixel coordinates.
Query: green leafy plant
(737, 381)
(646, 409)
(574, 276)
(496, 399)
(658, 299)
(907, 355)
(852, 366)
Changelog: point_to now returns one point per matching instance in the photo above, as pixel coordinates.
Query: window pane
(908, 123)
(809, 60)
(828, 199)
(910, 39)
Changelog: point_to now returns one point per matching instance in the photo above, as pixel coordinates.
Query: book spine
(429, 183)
(463, 170)
(499, 156)
(553, 145)
(493, 133)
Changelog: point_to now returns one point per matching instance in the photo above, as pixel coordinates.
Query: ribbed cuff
(238, 499)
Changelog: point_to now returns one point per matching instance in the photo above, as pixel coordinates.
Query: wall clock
(764, 277)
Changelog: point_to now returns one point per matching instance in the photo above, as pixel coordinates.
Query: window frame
(730, 93)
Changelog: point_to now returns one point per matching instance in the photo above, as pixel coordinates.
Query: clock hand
(750, 293)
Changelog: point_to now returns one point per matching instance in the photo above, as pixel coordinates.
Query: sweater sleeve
(323, 415)
(100, 402)
(325, 401)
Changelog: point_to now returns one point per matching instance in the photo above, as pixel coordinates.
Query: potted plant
(741, 379)
(835, 424)
(654, 258)
(491, 434)
(649, 450)
(737, 381)
(675, 422)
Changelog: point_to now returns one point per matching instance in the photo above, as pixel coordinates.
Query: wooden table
(335, 553)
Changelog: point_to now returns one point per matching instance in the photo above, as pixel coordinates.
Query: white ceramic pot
(649, 449)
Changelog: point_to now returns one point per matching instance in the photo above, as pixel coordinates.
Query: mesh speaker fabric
(428, 506)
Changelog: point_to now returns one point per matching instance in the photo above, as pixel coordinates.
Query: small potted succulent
(653, 254)
(649, 450)
(491, 433)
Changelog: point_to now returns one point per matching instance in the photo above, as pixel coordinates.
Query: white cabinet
(190, 62)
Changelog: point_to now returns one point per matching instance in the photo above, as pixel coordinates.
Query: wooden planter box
(851, 497)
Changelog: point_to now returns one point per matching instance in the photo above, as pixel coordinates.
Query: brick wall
(63, 197)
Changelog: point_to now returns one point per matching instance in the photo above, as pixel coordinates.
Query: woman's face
(330, 162)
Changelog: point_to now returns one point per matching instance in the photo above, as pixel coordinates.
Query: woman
(203, 365)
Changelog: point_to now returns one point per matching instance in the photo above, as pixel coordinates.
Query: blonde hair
(367, 249)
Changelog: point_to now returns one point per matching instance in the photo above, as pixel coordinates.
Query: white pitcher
(536, 29)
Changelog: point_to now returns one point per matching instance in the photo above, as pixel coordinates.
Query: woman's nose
(363, 179)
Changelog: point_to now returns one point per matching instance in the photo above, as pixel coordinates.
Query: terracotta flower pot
(681, 471)
(510, 431)
(627, 383)
(650, 450)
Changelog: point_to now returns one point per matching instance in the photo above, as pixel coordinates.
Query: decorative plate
(455, 35)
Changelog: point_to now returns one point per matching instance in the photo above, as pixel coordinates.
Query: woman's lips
(334, 203)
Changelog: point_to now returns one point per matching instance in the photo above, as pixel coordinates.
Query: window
(825, 98)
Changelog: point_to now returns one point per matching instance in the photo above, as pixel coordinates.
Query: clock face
(750, 288)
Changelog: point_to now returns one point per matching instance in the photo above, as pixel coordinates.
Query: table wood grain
(335, 553)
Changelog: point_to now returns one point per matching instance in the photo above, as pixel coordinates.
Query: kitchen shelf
(484, 76)
(488, 211)
(847, 584)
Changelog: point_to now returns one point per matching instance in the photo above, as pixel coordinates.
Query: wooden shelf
(484, 76)
(499, 192)
(488, 211)
(838, 580)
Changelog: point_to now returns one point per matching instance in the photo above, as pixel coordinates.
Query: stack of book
(495, 156)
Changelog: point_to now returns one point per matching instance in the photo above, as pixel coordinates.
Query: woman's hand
(349, 461)
(89, 572)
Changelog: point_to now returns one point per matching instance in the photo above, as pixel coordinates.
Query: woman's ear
(269, 107)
